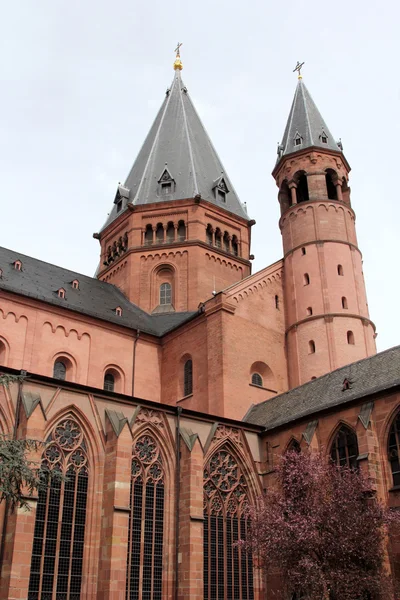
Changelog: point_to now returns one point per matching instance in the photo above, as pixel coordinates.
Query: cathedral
(168, 385)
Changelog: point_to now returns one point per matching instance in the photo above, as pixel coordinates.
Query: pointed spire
(177, 160)
(305, 126)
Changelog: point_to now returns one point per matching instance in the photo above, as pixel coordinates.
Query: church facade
(168, 385)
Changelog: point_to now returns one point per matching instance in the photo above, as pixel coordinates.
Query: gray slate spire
(178, 151)
(306, 124)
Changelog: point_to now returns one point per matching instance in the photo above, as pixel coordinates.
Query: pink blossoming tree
(324, 531)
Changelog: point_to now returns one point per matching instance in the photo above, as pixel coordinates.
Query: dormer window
(118, 311)
(166, 187)
(324, 138)
(166, 183)
(119, 206)
(220, 189)
(18, 265)
(298, 140)
(1, 273)
(75, 284)
(61, 293)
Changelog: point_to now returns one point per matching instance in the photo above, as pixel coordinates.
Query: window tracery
(228, 571)
(57, 553)
(344, 450)
(146, 522)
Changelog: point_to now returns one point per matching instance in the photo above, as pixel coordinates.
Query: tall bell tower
(177, 231)
(327, 319)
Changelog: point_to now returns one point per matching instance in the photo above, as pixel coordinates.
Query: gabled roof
(41, 280)
(305, 122)
(368, 376)
(178, 142)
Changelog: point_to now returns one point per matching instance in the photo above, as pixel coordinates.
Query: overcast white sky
(81, 83)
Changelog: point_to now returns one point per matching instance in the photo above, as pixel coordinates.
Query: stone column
(292, 187)
(191, 520)
(213, 236)
(164, 232)
(175, 231)
(339, 191)
(230, 244)
(154, 228)
(116, 508)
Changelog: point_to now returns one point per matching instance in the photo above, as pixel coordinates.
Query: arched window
(350, 338)
(218, 238)
(109, 382)
(228, 570)
(170, 233)
(60, 370)
(165, 293)
(146, 522)
(148, 235)
(226, 241)
(344, 449)
(306, 279)
(311, 347)
(256, 379)
(344, 302)
(309, 311)
(394, 450)
(294, 446)
(302, 187)
(160, 233)
(330, 185)
(3, 352)
(59, 536)
(340, 270)
(235, 246)
(209, 234)
(188, 377)
(181, 231)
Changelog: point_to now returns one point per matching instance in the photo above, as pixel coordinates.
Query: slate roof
(178, 142)
(95, 298)
(305, 121)
(367, 376)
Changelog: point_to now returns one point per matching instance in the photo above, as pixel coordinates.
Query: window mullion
(60, 511)
(46, 522)
(142, 536)
(71, 549)
(153, 541)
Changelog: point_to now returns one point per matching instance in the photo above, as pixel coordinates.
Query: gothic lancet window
(57, 554)
(344, 449)
(394, 450)
(146, 522)
(228, 571)
(188, 378)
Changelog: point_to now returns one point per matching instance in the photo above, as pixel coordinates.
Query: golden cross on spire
(298, 69)
(178, 64)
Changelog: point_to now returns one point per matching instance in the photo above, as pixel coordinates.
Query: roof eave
(305, 151)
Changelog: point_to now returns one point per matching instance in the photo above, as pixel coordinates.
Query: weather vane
(178, 66)
(298, 68)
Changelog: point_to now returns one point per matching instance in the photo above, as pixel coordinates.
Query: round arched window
(256, 379)
(165, 293)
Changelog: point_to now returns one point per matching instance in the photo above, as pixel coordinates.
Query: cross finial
(298, 69)
(178, 64)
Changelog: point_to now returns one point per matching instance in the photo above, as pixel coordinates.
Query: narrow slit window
(340, 270)
(350, 338)
(344, 302)
(309, 311)
(311, 347)
(306, 279)
(303, 251)
(188, 378)
(277, 302)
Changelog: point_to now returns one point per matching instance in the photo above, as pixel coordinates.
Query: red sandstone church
(168, 386)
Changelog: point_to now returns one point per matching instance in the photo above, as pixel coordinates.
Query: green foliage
(21, 477)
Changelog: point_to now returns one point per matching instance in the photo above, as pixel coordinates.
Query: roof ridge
(303, 88)
(196, 188)
(155, 138)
